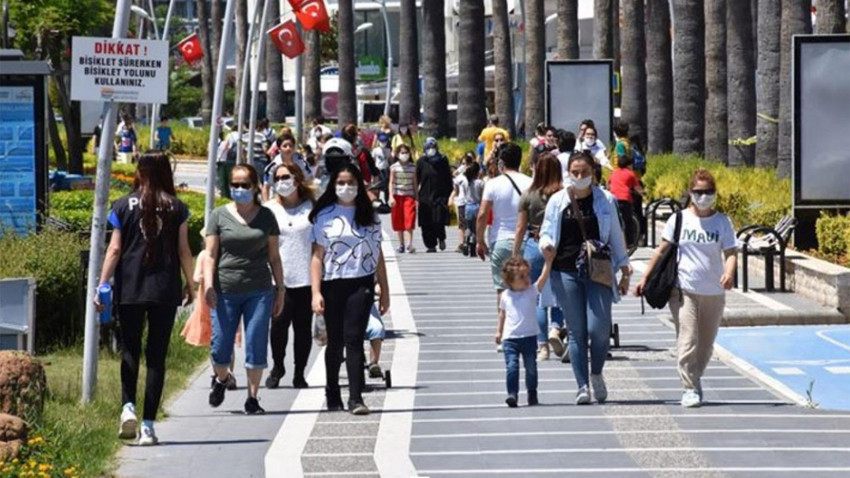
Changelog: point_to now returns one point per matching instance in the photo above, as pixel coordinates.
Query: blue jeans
(531, 253)
(587, 308)
(513, 348)
(255, 309)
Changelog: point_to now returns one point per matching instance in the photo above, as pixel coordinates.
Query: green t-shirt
(533, 203)
(243, 256)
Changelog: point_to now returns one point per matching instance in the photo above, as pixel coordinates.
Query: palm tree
(741, 81)
(408, 63)
(242, 47)
(689, 82)
(312, 75)
(603, 42)
(568, 29)
(470, 95)
(716, 132)
(206, 60)
(830, 16)
(615, 44)
(347, 102)
(634, 68)
(275, 107)
(767, 128)
(503, 71)
(216, 14)
(535, 53)
(659, 77)
(796, 18)
(434, 95)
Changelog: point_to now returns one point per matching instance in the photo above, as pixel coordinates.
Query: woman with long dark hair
(148, 249)
(347, 259)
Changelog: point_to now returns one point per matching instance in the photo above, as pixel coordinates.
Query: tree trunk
(312, 75)
(830, 17)
(568, 30)
(796, 18)
(535, 54)
(206, 61)
(603, 42)
(470, 96)
(216, 15)
(716, 113)
(56, 140)
(242, 47)
(634, 68)
(275, 103)
(503, 72)
(659, 77)
(434, 95)
(741, 81)
(347, 103)
(408, 63)
(615, 45)
(767, 127)
(689, 81)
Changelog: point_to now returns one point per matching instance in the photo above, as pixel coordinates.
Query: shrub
(833, 234)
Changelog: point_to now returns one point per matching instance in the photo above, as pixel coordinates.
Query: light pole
(363, 27)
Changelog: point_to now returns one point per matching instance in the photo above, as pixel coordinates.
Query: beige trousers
(697, 319)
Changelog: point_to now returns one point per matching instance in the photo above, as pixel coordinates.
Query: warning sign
(119, 69)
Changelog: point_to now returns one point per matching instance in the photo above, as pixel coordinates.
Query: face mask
(346, 192)
(285, 187)
(431, 151)
(588, 142)
(403, 130)
(241, 196)
(580, 183)
(703, 202)
(404, 157)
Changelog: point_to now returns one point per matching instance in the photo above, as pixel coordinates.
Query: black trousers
(297, 311)
(347, 306)
(160, 322)
(433, 233)
(626, 215)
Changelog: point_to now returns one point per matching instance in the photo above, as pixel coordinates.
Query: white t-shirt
(317, 132)
(351, 251)
(564, 159)
(505, 199)
(295, 242)
(462, 187)
(520, 308)
(597, 150)
(701, 245)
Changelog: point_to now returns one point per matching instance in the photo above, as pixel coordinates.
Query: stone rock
(10, 450)
(13, 435)
(23, 386)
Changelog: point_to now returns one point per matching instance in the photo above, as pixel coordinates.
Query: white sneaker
(597, 384)
(129, 423)
(583, 396)
(690, 399)
(147, 437)
(556, 343)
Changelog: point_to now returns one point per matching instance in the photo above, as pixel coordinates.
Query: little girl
(403, 192)
(517, 332)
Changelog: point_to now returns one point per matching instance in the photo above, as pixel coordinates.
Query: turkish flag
(191, 49)
(286, 39)
(313, 15)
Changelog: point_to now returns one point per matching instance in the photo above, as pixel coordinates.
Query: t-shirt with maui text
(351, 250)
(520, 308)
(243, 257)
(702, 241)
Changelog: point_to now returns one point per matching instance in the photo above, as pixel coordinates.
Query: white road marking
(560, 392)
(788, 371)
(634, 450)
(643, 471)
(680, 415)
(783, 431)
(838, 370)
(570, 379)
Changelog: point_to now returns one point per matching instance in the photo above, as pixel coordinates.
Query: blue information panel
(17, 159)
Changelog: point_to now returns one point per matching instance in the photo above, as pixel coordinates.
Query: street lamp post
(389, 57)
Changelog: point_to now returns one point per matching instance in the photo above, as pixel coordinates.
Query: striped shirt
(404, 174)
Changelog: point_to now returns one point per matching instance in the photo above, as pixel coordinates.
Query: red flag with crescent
(191, 49)
(313, 15)
(285, 37)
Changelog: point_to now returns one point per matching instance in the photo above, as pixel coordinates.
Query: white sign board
(119, 69)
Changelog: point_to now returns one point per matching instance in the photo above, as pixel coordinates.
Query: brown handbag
(594, 254)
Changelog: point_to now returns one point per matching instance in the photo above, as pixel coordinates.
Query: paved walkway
(445, 415)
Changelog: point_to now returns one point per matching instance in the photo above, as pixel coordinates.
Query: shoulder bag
(594, 255)
(661, 280)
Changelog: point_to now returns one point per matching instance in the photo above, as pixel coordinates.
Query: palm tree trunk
(347, 103)
(275, 107)
(716, 117)
(216, 14)
(767, 128)
(535, 54)
(206, 60)
(634, 68)
(312, 75)
(408, 63)
(242, 47)
(830, 16)
(659, 77)
(502, 73)
(741, 81)
(568, 29)
(615, 45)
(470, 96)
(689, 82)
(796, 18)
(603, 42)
(434, 95)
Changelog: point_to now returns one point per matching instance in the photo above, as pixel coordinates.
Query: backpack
(639, 161)
(661, 280)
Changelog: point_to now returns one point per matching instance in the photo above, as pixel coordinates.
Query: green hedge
(833, 234)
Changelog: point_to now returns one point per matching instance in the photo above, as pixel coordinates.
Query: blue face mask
(242, 196)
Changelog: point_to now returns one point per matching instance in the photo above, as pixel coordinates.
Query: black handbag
(661, 280)
(594, 256)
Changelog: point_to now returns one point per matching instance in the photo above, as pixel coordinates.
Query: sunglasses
(283, 177)
(702, 192)
(241, 185)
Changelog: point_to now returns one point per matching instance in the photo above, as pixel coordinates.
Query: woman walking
(707, 262)
(291, 207)
(581, 213)
(434, 177)
(346, 261)
(532, 207)
(242, 246)
(148, 249)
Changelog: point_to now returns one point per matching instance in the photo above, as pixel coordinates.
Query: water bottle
(104, 296)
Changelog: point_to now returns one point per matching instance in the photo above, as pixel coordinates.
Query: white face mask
(404, 157)
(285, 187)
(346, 192)
(703, 202)
(431, 151)
(579, 183)
(589, 142)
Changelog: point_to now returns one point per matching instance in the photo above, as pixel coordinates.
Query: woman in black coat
(434, 177)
